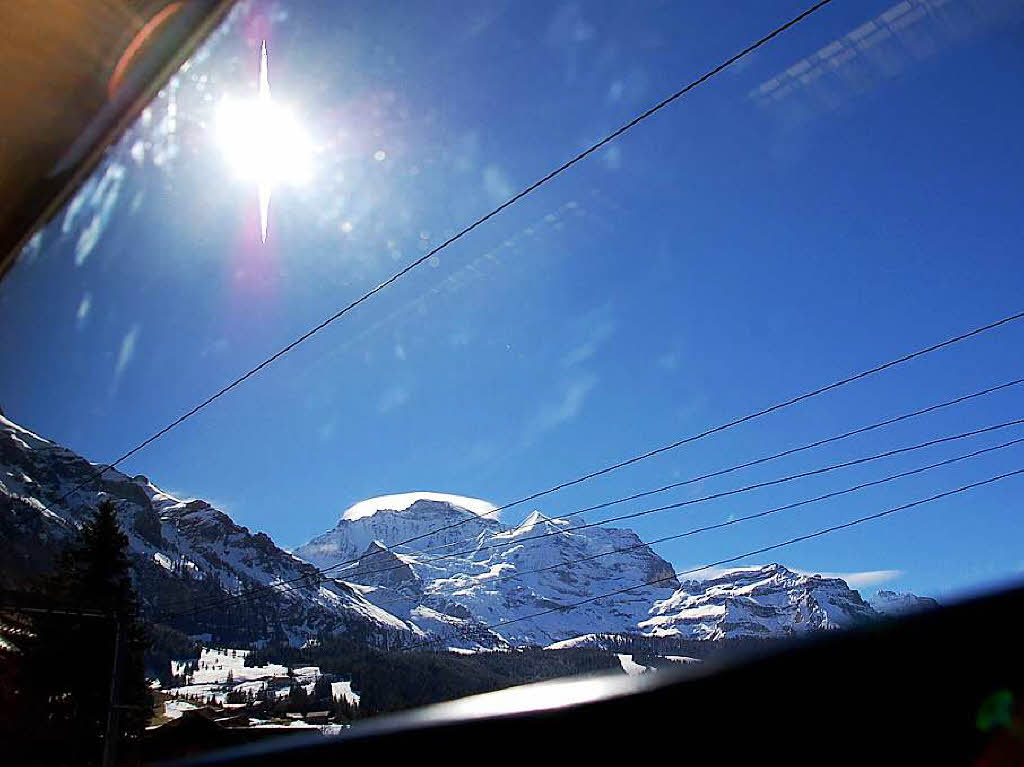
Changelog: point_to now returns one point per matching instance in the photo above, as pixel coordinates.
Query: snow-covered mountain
(768, 601)
(468, 582)
(477, 567)
(891, 603)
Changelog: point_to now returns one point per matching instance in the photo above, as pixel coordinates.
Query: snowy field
(220, 671)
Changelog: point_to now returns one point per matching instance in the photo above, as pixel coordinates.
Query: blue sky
(761, 237)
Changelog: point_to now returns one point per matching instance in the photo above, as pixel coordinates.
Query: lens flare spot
(263, 142)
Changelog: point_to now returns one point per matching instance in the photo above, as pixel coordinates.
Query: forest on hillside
(391, 680)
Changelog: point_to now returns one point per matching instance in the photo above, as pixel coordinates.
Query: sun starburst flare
(263, 142)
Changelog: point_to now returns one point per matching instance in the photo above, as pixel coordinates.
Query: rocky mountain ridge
(767, 601)
(185, 555)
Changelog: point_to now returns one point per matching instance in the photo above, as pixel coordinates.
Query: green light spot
(995, 711)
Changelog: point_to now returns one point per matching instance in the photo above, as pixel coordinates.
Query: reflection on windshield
(434, 475)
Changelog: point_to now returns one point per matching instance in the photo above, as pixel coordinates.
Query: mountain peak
(403, 501)
(758, 601)
(892, 603)
(532, 521)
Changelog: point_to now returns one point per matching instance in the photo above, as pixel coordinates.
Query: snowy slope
(767, 601)
(601, 641)
(220, 671)
(630, 666)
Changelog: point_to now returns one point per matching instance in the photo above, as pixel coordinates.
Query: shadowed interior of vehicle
(84, 71)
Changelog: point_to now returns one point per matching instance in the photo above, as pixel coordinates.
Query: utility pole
(113, 710)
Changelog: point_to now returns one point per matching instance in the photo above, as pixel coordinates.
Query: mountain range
(415, 568)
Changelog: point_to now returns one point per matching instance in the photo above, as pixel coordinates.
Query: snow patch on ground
(163, 560)
(215, 665)
(630, 666)
(173, 709)
(344, 690)
(585, 640)
(219, 671)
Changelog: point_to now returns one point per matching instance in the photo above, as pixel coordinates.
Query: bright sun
(263, 142)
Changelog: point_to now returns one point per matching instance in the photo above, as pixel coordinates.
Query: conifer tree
(322, 691)
(73, 658)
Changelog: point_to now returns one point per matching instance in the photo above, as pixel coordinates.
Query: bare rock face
(379, 566)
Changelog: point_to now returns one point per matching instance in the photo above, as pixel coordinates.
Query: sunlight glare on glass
(263, 142)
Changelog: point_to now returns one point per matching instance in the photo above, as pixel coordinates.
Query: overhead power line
(44, 610)
(729, 560)
(724, 426)
(518, 574)
(761, 460)
(761, 514)
(462, 233)
(305, 580)
(723, 493)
